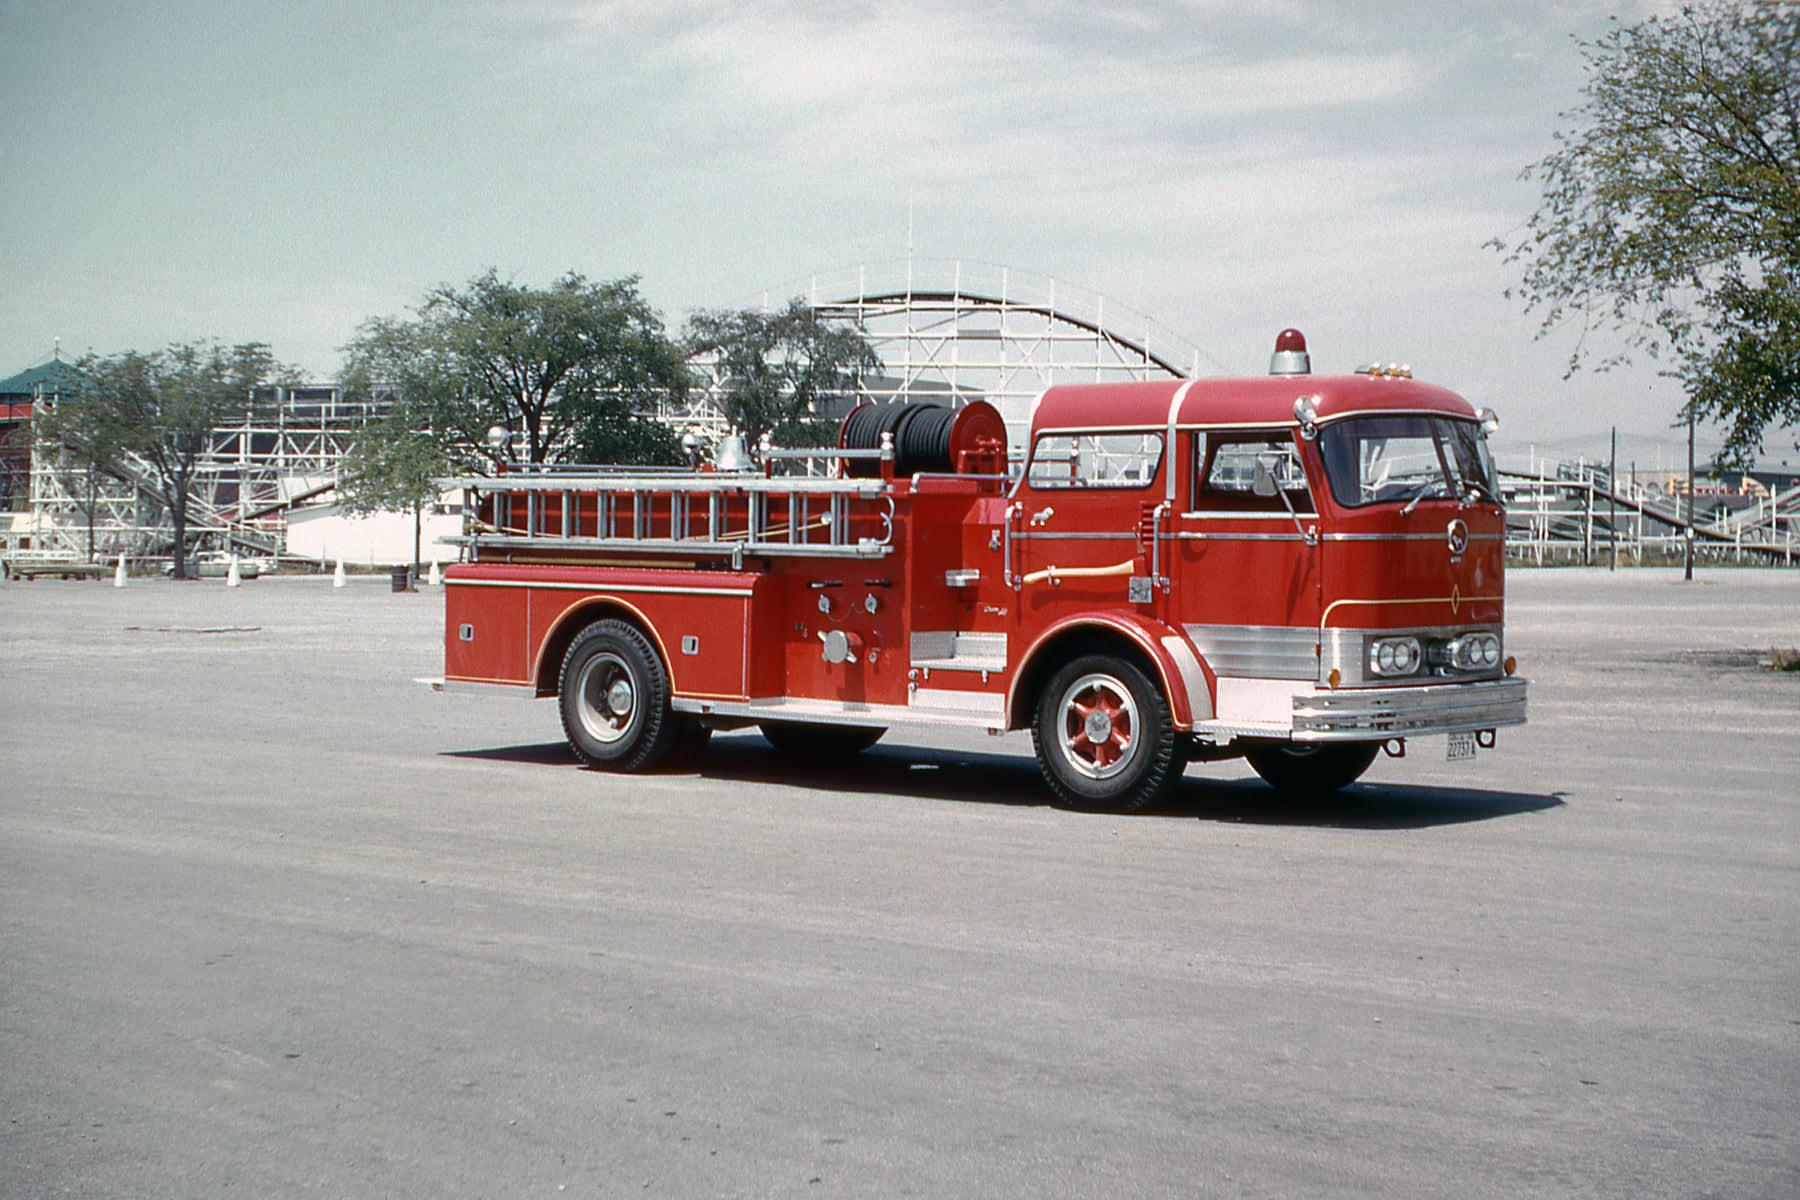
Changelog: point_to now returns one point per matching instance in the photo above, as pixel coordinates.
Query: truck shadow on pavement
(972, 777)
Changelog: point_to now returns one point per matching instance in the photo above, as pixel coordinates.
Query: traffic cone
(337, 576)
(233, 577)
(119, 575)
(434, 577)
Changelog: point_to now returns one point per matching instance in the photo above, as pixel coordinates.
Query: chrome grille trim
(1258, 651)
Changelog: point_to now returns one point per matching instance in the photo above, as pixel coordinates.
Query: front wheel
(614, 697)
(1312, 770)
(1105, 738)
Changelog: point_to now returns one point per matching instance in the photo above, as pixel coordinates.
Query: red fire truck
(1300, 570)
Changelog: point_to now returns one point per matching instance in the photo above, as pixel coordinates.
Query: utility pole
(1687, 572)
(1612, 501)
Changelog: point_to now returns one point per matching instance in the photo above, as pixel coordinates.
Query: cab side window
(1226, 480)
(1095, 460)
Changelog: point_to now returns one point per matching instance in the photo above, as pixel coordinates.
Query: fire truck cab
(1300, 570)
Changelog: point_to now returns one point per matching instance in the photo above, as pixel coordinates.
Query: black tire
(1312, 770)
(614, 695)
(1104, 737)
(820, 741)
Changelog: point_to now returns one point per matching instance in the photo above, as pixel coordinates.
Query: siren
(733, 455)
(1290, 357)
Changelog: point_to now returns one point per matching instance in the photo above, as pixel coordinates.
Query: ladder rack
(690, 514)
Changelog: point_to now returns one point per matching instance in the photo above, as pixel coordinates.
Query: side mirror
(1263, 482)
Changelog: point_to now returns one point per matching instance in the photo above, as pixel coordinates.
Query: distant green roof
(52, 376)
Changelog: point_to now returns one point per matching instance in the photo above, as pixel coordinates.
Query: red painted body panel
(520, 616)
(1405, 573)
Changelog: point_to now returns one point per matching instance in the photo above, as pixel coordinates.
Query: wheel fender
(1179, 670)
(569, 624)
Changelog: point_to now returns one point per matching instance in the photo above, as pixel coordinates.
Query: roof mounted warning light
(1290, 357)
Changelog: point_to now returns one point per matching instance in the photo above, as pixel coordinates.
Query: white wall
(326, 534)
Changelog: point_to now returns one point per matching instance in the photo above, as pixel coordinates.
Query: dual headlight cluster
(1390, 656)
(1396, 657)
(1472, 652)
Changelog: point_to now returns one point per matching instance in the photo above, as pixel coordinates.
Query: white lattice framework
(287, 446)
(956, 331)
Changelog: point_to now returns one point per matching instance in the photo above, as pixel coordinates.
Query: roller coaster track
(1576, 505)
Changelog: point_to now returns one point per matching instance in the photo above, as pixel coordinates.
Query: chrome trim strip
(1049, 429)
(1272, 426)
(1091, 536)
(674, 482)
(1192, 536)
(1365, 714)
(472, 687)
(1400, 412)
(832, 711)
(984, 709)
(1436, 536)
(1217, 733)
(1174, 461)
(1193, 679)
(949, 650)
(679, 547)
(1249, 516)
(598, 588)
(1258, 651)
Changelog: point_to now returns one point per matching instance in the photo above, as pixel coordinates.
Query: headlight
(1394, 656)
(1472, 652)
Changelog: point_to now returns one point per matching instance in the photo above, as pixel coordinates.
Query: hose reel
(928, 438)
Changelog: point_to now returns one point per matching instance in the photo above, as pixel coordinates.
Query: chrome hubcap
(1097, 733)
(618, 698)
(608, 694)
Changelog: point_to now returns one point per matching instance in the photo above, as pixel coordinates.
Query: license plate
(1462, 746)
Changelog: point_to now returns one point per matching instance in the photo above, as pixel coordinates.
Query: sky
(281, 172)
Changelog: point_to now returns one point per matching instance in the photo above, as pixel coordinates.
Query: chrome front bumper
(1368, 713)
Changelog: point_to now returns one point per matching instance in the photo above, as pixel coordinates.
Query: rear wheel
(1105, 738)
(1312, 770)
(614, 697)
(820, 741)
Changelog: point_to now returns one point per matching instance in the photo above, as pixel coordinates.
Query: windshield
(1375, 460)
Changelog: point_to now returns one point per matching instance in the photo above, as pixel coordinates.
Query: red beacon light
(1290, 357)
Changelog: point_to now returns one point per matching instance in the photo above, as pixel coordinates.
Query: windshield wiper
(1423, 491)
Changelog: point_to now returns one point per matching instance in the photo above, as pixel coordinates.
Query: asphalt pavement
(277, 921)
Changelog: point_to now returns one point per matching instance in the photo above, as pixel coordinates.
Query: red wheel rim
(1097, 726)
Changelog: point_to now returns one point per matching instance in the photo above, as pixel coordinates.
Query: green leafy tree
(394, 467)
(611, 433)
(1749, 375)
(566, 369)
(1671, 210)
(165, 405)
(779, 366)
